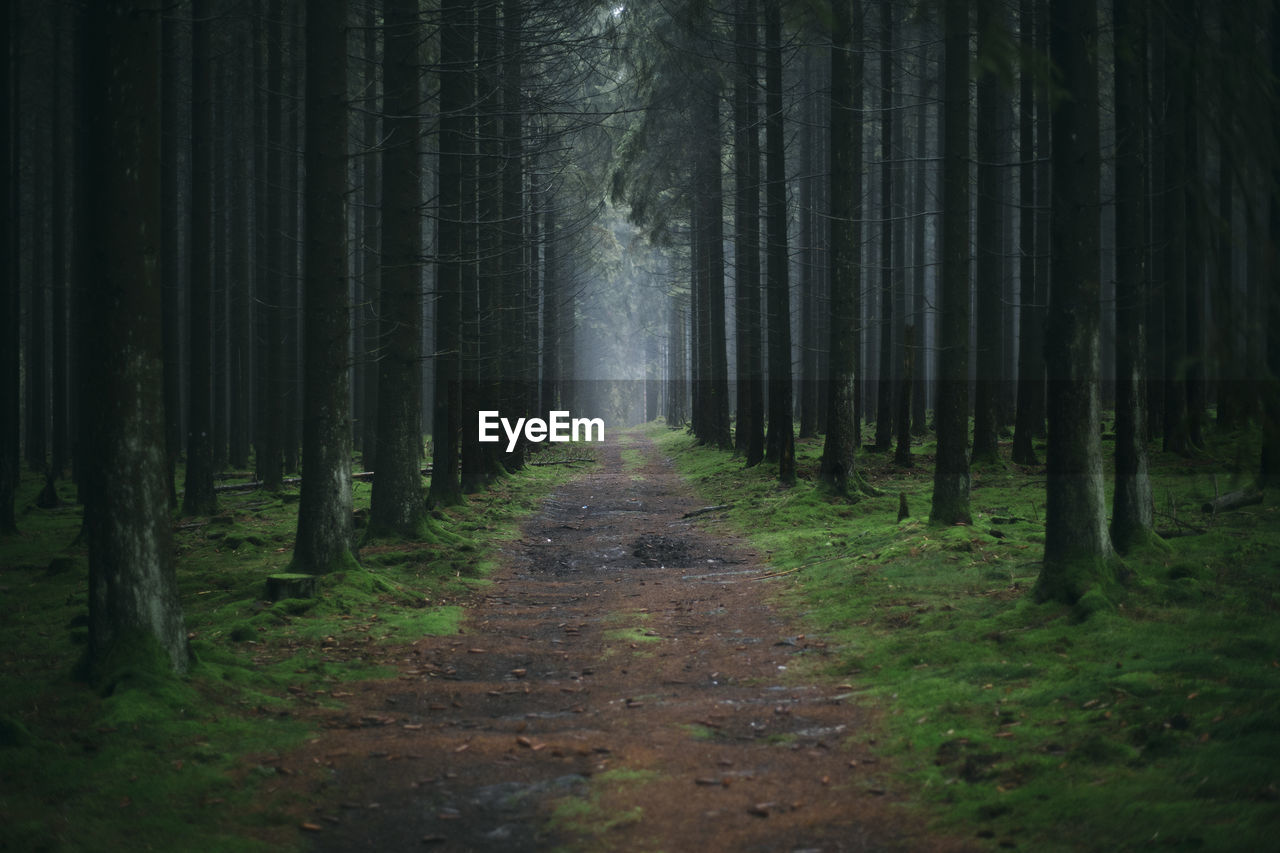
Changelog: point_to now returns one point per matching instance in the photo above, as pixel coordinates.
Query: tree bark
(809, 171)
(171, 252)
(323, 542)
(485, 322)
(1177, 436)
(269, 455)
(1269, 469)
(133, 594)
(1077, 551)
(839, 467)
(990, 265)
(951, 411)
(456, 52)
(199, 497)
(371, 257)
(746, 160)
(920, 390)
(515, 391)
(710, 268)
(1030, 356)
(781, 437)
(10, 312)
(60, 436)
(398, 503)
(884, 384)
(1132, 509)
(241, 280)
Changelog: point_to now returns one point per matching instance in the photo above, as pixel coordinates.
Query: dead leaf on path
(312, 827)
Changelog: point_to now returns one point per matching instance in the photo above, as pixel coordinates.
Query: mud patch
(658, 550)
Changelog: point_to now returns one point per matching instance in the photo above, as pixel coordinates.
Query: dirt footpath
(626, 672)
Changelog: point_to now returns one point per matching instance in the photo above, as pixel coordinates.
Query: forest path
(626, 666)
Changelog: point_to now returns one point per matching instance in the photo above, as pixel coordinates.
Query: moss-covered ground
(190, 763)
(1151, 722)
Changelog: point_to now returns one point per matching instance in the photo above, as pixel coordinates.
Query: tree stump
(291, 585)
(903, 512)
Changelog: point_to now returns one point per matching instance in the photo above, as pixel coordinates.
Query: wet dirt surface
(617, 636)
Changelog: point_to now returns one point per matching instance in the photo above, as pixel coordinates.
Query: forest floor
(584, 657)
(625, 683)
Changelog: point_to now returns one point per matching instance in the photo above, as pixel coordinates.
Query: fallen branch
(705, 510)
(256, 484)
(367, 476)
(563, 461)
(1233, 500)
(805, 566)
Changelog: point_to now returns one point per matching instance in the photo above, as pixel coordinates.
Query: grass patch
(187, 763)
(631, 632)
(1155, 722)
(594, 820)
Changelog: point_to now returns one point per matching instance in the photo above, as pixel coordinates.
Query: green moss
(593, 820)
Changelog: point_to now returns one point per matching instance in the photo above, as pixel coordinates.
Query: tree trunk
(1269, 469)
(324, 512)
(511, 230)
(781, 442)
(10, 305)
(951, 411)
(809, 171)
(746, 160)
(241, 280)
(551, 297)
(839, 468)
(1077, 551)
(199, 497)
(710, 268)
(133, 594)
(902, 456)
(398, 504)
(1044, 192)
(370, 308)
(269, 456)
(37, 361)
(990, 265)
(60, 435)
(1156, 249)
(1132, 511)
(920, 391)
(456, 56)
(884, 384)
(1030, 356)
(1177, 436)
(293, 226)
(171, 252)
(485, 324)
(1190, 180)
